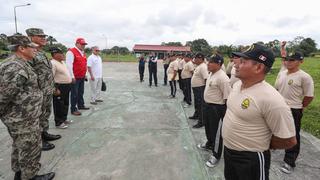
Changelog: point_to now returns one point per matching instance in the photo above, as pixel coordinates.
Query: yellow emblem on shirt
(290, 82)
(245, 103)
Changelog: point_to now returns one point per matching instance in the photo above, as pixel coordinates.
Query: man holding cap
(62, 84)
(297, 88)
(198, 83)
(215, 96)
(77, 64)
(257, 118)
(43, 68)
(21, 100)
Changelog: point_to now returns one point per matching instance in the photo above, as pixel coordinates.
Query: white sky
(128, 22)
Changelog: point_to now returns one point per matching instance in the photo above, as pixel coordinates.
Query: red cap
(81, 41)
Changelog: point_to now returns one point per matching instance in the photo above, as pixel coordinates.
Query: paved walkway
(140, 134)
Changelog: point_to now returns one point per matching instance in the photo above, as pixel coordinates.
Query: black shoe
(198, 125)
(17, 175)
(48, 176)
(164, 84)
(46, 146)
(84, 108)
(193, 117)
(156, 85)
(50, 137)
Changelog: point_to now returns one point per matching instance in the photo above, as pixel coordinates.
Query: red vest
(79, 64)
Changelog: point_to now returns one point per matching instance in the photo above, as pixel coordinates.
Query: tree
(3, 42)
(307, 46)
(171, 44)
(200, 45)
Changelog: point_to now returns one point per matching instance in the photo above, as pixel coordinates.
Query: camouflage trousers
(26, 153)
(45, 113)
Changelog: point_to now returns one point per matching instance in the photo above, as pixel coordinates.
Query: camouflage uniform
(20, 104)
(43, 68)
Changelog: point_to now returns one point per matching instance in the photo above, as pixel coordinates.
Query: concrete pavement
(138, 133)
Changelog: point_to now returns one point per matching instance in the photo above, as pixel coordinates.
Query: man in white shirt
(257, 118)
(94, 64)
(297, 88)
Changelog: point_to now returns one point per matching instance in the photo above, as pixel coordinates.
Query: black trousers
(180, 79)
(245, 165)
(198, 102)
(213, 115)
(292, 154)
(187, 90)
(173, 87)
(165, 78)
(61, 103)
(77, 90)
(141, 72)
(153, 72)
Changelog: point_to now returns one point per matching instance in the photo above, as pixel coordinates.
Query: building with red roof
(160, 50)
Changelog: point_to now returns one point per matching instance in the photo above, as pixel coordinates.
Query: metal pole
(15, 15)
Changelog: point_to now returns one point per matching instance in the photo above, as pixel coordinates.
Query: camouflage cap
(54, 50)
(35, 32)
(20, 40)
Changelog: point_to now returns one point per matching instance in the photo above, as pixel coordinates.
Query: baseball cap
(35, 32)
(259, 53)
(295, 56)
(199, 56)
(54, 50)
(81, 41)
(20, 40)
(233, 55)
(216, 58)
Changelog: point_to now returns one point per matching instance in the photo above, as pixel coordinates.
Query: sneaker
(212, 162)
(186, 105)
(68, 121)
(99, 100)
(93, 103)
(204, 146)
(62, 126)
(286, 168)
(171, 97)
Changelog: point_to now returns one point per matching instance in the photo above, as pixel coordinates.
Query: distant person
(257, 118)
(198, 83)
(43, 68)
(141, 67)
(215, 97)
(152, 65)
(297, 88)
(173, 75)
(181, 64)
(62, 80)
(186, 76)
(95, 70)
(166, 62)
(236, 60)
(229, 66)
(21, 100)
(77, 65)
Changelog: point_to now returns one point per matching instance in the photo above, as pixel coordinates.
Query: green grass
(119, 58)
(311, 115)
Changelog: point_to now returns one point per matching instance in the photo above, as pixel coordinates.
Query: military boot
(46, 146)
(50, 137)
(48, 176)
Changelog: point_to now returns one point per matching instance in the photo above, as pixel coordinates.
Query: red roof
(142, 47)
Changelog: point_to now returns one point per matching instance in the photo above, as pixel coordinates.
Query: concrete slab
(138, 133)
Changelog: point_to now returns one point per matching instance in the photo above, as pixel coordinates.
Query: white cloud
(127, 22)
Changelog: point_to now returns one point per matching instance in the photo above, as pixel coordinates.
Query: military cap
(189, 55)
(259, 53)
(216, 58)
(199, 56)
(295, 56)
(35, 32)
(54, 50)
(20, 40)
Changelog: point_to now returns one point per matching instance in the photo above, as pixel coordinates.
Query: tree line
(307, 46)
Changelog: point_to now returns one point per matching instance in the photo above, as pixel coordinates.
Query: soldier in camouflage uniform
(43, 68)
(20, 108)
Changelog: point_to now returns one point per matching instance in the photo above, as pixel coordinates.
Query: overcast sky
(128, 22)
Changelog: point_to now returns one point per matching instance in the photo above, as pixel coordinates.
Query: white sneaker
(186, 105)
(286, 168)
(212, 162)
(62, 126)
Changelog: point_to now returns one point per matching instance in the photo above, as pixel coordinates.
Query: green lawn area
(119, 58)
(311, 115)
